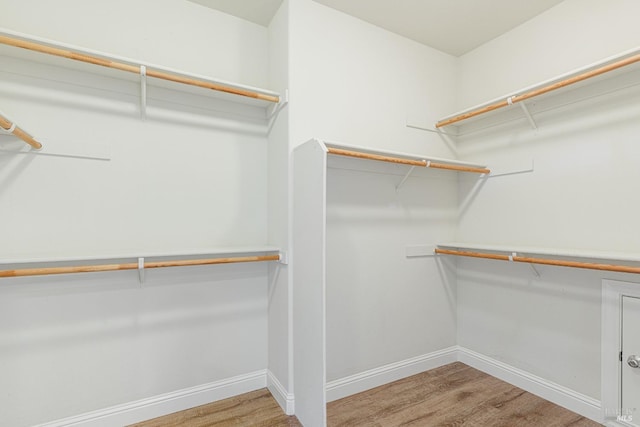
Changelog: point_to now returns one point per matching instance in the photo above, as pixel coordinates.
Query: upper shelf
(591, 74)
(545, 252)
(35, 49)
(403, 158)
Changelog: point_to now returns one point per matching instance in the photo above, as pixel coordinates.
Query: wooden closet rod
(134, 69)
(540, 91)
(8, 126)
(531, 260)
(399, 160)
(132, 266)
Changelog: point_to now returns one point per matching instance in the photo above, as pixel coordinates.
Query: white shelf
(390, 167)
(32, 56)
(186, 254)
(548, 252)
(400, 154)
(611, 81)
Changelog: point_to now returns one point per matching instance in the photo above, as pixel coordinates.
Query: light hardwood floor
(257, 408)
(452, 395)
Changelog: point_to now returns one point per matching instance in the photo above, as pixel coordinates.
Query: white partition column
(309, 252)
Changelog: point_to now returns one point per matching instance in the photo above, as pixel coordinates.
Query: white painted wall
(176, 34)
(75, 344)
(139, 200)
(90, 341)
(280, 292)
(581, 194)
(355, 83)
(190, 177)
(570, 35)
(383, 307)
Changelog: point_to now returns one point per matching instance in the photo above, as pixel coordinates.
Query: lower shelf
(89, 265)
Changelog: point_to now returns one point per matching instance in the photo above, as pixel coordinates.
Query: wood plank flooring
(452, 395)
(257, 408)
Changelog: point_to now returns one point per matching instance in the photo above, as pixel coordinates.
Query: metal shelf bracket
(143, 92)
(141, 270)
(405, 178)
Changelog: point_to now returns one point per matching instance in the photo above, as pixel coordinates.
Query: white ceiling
(257, 11)
(452, 26)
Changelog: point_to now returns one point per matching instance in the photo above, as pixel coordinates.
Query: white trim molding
(353, 384)
(167, 403)
(280, 394)
(164, 404)
(556, 393)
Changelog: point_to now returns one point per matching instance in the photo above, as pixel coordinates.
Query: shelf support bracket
(143, 92)
(535, 270)
(283, 258)
(276, 108)
(526, 112)
(533, 267)
(405, 178)
(141, 270)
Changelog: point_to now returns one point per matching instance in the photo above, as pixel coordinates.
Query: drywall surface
(354, 83)
(548, 326)
(280, 292)
(382, 306)
(358, 84)
(581, 193)
(81, 343)
(190, 177)
(570, 35)
(180, 35)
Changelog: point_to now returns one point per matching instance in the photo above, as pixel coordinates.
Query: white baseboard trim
(164, 404)
(195, 396)
(357, 383)
(560, 395)
(284, 398)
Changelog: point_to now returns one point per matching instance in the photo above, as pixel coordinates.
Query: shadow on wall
(108, 306)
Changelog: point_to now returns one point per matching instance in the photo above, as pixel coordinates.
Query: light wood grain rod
(459, 168)
(6, 125)
(399, 160)
(184, 263)
(540, 91)
(134, 68)
(472, 254)
(132, 266)
(369, 156)
(554, 262)
(580, 77)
